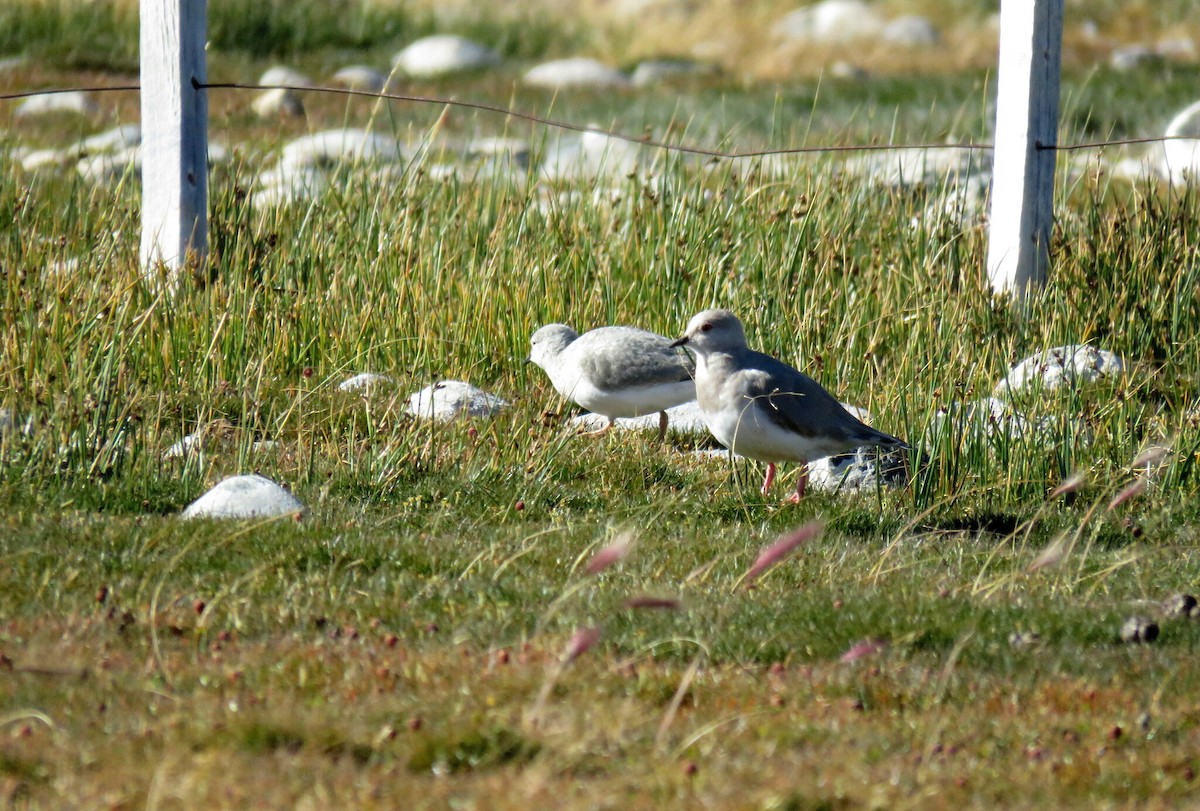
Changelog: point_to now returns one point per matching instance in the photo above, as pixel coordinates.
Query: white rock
(104, 168)
(444, 54)
(10, 422)
(47, 158)
(986, 418)
(281, 75)
(590, 155)
(911, 31)
(659, 71)
(331, 148)
(114, 140)
(282, 186)
(448, 399)
(277, 102)
(579, 71)
(862, 470)
(74, 101)
(214, 436)
(685, 418)
(916, 166)
(247, 496)
(1182, 155)
(365, 382)
(1131, 57)
(830, 21)
(843, 69)
(360, 77)
(1061, 366)
(1181, 48)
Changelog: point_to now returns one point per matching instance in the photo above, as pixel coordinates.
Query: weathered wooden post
(1026, 124)
(174, 133)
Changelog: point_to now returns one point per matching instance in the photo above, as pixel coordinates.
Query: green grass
(402, 643)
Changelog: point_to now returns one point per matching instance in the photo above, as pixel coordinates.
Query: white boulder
(247, 496)
(579, 71)
(1182, 147)
(448, 399)
(686, 418)
(830, 22)
(444, 54)
(1061, 366)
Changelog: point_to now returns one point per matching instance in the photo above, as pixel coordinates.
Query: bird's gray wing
(638, 359)
(794, 401)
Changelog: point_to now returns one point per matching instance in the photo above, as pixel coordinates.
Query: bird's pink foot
(601, 431)
(801, 486)
(770, 478)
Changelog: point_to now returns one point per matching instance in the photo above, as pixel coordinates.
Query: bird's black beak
(528, 360)
(680, 342)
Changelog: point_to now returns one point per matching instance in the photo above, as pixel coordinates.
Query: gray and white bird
(762, 408)
(615, 371)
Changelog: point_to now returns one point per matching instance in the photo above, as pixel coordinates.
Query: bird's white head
(546, 344)
(713, 331)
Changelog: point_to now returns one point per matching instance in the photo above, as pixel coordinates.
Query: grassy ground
(406, 643)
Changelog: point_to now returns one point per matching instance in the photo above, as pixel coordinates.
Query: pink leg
(801, 485)
(770, 479)
(601, 431)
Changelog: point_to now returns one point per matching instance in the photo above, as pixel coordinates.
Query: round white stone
(247, 496)
(360, 77)
(1182, 155)
(75, 101)
(448, 399)
(830, 21)
(281, 75)
(575, 72)
(1061, 366)
(444, 54)
(364, 382)
(330, 148)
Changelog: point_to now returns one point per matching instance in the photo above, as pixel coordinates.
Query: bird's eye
(705, 327)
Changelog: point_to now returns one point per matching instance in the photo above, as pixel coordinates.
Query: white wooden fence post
(1026, 118)
(174, 133)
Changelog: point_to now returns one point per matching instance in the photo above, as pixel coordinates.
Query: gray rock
(1070, 365)
(578, 71)
(444, 54)
(448, 399)
(1139, 630)
(1181, 605)
(247, 496)
(862, 470)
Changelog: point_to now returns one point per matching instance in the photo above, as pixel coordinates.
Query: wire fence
(641, 140)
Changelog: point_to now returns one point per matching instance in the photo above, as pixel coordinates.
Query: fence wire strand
(640, 140)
